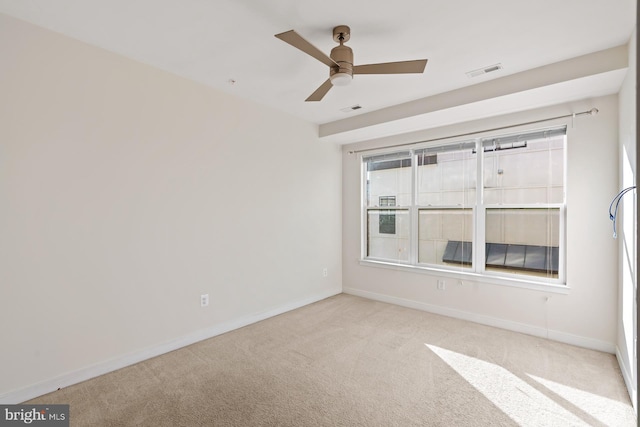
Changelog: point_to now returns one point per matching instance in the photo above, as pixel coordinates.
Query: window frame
(478, 270)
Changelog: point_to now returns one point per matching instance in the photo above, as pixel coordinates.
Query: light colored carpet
(349, 361)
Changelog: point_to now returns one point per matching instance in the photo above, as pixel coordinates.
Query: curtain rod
(590, 112)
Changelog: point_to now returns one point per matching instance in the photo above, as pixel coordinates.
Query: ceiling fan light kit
(340, 79)
(340, 61)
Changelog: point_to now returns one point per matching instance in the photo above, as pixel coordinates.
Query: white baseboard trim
(628, 379)
(537, 331)
(101, 368)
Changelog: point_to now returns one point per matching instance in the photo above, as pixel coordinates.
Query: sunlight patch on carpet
(518, 400)
(607, 411)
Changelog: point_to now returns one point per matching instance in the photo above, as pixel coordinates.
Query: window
(390, 177)
(424, 207)
(387, 219)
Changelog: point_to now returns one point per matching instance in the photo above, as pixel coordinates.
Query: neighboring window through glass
(387, 223)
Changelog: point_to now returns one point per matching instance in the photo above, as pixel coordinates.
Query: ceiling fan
(340, 62)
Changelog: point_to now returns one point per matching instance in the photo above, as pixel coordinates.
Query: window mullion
(562, 246)
(479, 212)
(413, 212)
(364, 186)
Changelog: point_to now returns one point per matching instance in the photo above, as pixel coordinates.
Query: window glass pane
(388, 177)
(524, 171)
(445, 237)
(523, 241)
(447, 175)
(388, 234)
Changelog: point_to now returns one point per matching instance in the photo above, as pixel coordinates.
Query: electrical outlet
(441, 285)
(204, 300)
(325, 272)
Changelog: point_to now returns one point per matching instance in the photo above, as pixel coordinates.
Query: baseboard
(559, 336)
(71, 378)
(628, 379)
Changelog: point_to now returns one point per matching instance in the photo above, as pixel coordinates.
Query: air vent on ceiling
(350, 109)
(484, 70)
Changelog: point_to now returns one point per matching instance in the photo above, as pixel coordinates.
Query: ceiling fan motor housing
(343, 55)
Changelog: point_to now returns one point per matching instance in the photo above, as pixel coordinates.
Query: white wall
(585, 316)
(126, 192)
(627, 230)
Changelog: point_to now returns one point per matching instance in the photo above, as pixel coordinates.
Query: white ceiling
(215, 42)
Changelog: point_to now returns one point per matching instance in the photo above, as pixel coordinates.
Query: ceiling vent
(484, 70)
(350, 109)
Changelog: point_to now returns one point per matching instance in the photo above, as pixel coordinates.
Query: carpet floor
(349, 361)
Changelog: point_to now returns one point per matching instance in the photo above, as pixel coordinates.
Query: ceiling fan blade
(296, 40)
(320, 92)
(401, 67)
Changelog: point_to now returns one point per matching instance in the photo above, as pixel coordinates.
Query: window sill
(465, 276)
